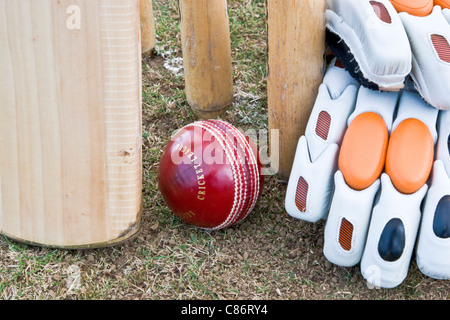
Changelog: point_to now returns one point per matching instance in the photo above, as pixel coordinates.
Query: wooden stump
(148, 36)
(296, 40)
(70, 125)
(206, 46)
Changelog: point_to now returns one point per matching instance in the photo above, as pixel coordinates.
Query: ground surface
(268, 256)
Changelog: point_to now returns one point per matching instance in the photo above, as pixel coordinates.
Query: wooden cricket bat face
(70, 121)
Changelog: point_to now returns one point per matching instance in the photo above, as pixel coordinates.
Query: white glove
(377, 223)
(374, 217)
(311, 181)
(433, 247)
(396, 216)
(356, 32)
(351, 208)
(428, 37)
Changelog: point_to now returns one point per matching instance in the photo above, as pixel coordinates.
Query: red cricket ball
(210, 174)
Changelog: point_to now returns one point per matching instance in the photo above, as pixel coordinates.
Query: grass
(267, 256)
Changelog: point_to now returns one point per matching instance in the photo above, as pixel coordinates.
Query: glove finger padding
(311, 180)
(429, 38)
(433, 246)
(369, 38)
(361, 162)
(420, 8)
(310, 183)
(391, 236)
(442, 3)
(334, 103)
(397, 213)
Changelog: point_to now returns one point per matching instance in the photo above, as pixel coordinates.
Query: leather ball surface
(210, 175)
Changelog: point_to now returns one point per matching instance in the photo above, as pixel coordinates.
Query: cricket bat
(148, 33)
(70, 121)
(296, 48)
(206, 46)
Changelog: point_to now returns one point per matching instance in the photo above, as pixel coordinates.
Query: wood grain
(206, 46)
(148, 35)
(296, 41)
(70, 121)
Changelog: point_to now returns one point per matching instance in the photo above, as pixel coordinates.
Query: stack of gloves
(374, 161)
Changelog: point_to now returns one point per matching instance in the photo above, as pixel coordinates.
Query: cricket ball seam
(207, 125)
(254, 187)
(204, 125)
(252, 165)
(237, 215)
